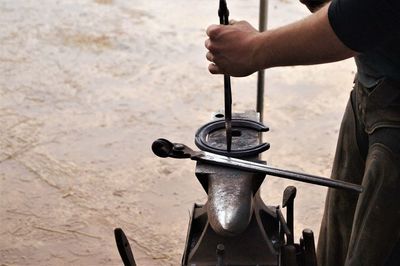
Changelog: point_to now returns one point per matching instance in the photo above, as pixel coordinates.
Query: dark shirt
(372, 28)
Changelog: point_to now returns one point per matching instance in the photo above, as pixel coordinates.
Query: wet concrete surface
(87, 86)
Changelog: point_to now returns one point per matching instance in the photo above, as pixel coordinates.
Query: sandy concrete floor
(85, 88)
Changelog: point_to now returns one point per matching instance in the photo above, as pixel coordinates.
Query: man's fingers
(210, 45)
(212, 31)
(207, 43)
(210, 57)
(214, 69)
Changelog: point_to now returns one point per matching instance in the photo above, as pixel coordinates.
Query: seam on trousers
(370, 130)
(356, 126)
(367, 212)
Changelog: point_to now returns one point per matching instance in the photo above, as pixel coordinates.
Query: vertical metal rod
(223, 14)
(263, 17)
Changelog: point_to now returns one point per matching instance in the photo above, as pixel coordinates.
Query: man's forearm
(309, 41)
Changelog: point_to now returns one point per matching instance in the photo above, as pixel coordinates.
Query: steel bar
(223, 14)
(165, 148)
(261, 168)
(228, 111)
(263, 17)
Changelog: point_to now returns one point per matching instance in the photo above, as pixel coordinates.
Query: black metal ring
(205, 130)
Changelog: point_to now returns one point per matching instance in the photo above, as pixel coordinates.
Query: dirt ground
(86, 87)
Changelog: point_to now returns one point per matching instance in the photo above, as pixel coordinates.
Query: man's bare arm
(240, 50)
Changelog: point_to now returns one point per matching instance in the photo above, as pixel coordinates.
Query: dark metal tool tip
(229, 141)
(124, 247)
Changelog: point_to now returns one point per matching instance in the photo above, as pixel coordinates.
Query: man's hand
(239, 49)
(232, 49)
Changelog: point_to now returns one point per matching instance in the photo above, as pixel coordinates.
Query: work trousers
(364, 229)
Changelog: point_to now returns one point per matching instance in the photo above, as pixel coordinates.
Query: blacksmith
(356, 229)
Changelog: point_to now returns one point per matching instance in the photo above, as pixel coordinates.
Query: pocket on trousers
(382, 107)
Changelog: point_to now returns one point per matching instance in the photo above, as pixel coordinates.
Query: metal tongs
(223, 14)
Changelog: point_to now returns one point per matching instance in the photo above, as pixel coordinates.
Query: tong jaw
(164, 148)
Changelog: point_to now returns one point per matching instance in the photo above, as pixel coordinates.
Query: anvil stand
(234, 226)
